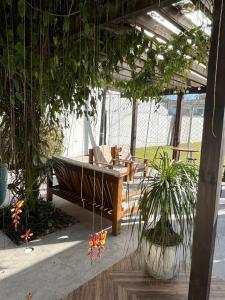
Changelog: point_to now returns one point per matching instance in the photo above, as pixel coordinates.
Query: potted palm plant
(166, 214)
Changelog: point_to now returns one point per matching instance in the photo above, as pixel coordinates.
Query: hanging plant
(97, 245)
(53, 55)
(16, 212)
(27, 235)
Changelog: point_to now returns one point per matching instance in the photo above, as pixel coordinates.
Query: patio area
(112, 174)
(59, 265)
(59, 262)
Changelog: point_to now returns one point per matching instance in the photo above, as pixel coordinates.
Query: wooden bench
(87, 185)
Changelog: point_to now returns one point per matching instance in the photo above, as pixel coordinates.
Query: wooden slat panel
(82, 182)
(76, 199)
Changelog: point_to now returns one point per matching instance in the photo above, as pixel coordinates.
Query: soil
(168, 238)
(47, 219)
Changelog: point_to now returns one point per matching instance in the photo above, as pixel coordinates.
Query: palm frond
(167, 203)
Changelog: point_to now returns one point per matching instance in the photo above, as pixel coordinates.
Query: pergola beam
(116, 13)
(174, 16)
(211, 164)
(188, 91)
(178, 82)
(132, 13)
(147, 22)
(205, 6)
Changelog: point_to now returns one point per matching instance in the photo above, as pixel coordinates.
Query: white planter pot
(3, 182)
(160, 264)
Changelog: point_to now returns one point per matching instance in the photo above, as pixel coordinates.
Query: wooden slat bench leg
(117, 207)
(116, 227)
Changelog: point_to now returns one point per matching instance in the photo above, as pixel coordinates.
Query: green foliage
(51, 141)
(178, 56)
(51, 59)
(167, 203)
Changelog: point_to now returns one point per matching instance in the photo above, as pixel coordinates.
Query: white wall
(81, 134)
(119, 114)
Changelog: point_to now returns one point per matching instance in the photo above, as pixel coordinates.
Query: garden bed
(47, 219)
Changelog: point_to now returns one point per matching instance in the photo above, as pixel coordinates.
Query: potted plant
(3, 180)
(166, 214)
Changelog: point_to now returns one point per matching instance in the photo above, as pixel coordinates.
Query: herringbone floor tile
(128, 280)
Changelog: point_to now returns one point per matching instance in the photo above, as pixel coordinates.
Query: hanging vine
(52, 56)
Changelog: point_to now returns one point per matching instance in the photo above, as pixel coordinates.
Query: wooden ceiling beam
(205, 6)
(188, 91)
(146, 22)
(172, 89)
(119, 12)
(174, 16)
(177, 83)
(198, 79)
(127, 9)
(178, 80)
(106, 13)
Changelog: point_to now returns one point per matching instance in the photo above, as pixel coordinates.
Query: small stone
(28, 250)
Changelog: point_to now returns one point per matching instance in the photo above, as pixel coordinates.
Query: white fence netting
(83, 134)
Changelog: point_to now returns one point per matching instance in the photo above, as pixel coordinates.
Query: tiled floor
(128, 279)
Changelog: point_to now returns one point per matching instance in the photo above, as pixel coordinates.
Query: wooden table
(128, 279)
(184, 149)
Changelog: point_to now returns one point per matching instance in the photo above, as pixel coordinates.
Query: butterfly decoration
(29, 296)
(16, 211)
(97, 245)
(27, 235)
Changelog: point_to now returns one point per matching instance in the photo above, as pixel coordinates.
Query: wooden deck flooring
(128, 280)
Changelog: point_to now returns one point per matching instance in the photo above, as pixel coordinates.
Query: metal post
(134, 127)
(178, 120)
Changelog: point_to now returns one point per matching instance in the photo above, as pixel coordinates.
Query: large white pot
(161, 264)
(3, 182)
